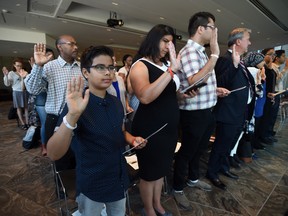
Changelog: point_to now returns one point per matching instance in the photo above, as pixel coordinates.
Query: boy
(93, 126)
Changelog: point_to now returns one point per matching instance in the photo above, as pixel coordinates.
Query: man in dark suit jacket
(230, 111)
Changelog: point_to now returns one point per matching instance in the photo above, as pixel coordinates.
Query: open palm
(75, 101)
(40, 54)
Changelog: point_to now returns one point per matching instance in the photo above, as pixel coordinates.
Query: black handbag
(12, 113)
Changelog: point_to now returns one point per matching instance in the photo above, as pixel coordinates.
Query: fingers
(40, 47)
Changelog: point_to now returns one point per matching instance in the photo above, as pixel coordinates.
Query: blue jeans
(42, 115)
(88, 207)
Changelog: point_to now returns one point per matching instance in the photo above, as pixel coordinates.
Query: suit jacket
(233, 109)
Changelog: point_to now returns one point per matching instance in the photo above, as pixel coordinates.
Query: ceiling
(25, 22)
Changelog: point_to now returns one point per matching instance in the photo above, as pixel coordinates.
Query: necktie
(246, 74)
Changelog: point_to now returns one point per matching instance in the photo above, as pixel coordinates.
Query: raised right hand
(5, 71)
(75, 101)
(214, 47)
(40, 54)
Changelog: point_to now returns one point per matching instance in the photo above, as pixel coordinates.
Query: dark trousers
(266, 119)
(226, 137)
(68, 160)
(196, 128)
(274, 114)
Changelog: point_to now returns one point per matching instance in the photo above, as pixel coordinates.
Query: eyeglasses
(100, 68)
(271, 54)
(69, 43)
(210, 26)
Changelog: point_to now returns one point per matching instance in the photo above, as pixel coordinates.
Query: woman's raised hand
(175, 62)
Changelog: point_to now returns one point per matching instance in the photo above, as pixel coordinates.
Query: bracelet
(171, 72)
(214, 55)
(67, 124)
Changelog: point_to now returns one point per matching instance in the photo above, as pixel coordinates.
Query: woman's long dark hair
(150, 45)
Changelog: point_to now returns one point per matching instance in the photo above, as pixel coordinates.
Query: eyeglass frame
(69, 43)
(210, 26)
(102, 71)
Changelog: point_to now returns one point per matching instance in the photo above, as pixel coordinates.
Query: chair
(65, 182)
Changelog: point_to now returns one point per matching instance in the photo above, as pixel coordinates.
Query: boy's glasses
(102, 68)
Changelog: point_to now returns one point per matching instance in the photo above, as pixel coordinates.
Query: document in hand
(198, 84)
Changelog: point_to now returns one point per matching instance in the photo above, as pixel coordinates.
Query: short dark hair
(278, 53)
(264, 51)
(125, 58)
(93, 51)
(199, 19)
(50, 50)
(150, 45)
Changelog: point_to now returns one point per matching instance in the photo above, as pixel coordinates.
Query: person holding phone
(196, 118)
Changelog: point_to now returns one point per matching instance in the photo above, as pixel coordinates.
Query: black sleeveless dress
(155, 159)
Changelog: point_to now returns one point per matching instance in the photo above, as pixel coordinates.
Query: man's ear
(85, 73)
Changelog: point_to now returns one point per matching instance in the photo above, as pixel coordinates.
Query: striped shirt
(55, 75)
(193, 59)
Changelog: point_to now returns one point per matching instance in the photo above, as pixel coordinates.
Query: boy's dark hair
(264, 51)
(93, 51)
(150, 45)
(199, 19)
(125, 58)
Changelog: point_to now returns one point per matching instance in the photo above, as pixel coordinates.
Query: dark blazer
(232, 109)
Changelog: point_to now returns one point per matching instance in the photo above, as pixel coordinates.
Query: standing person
(40, 101)
(127, 62)
(55, 75)
(271, 78)
(20, 100)
(196, 119)
(230, 112)
(279, 59)
(93, 126)
(152, 82)
(255, 64)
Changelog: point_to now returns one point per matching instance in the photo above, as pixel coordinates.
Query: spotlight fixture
(179, 37)
(113, 21)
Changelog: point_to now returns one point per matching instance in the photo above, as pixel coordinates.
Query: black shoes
(230, 175)
(267, 141)
(259, 146)
(218, 183)
(234, 163)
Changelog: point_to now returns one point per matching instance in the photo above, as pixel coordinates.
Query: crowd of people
(83, 106)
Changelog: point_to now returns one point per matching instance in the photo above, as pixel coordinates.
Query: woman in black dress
(155, 85)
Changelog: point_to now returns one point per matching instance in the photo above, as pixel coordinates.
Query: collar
(197, 46)
(62, 62)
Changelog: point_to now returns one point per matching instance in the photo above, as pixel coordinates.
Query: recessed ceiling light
(114, 3)
(268, 38)
(15, 51)
(242, 23)
(18, 5)
(4, 11)
(258, 32)
(33, 28)
(162, 18)
(218, 10)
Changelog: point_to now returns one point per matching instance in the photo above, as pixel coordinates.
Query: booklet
(200, 83)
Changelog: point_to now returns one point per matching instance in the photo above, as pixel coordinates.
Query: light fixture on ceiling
(179, 37)
(113, 21)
